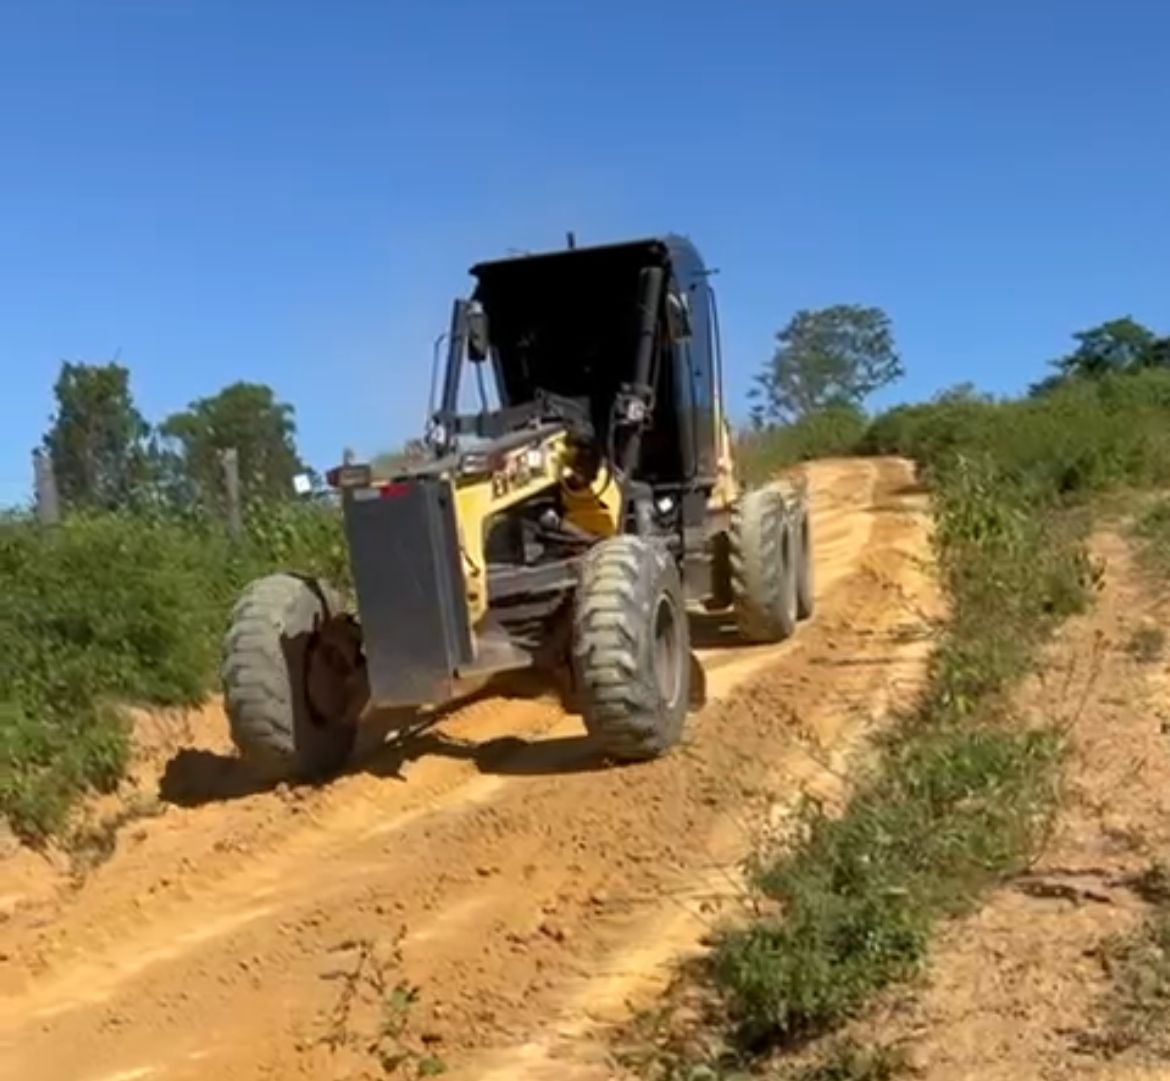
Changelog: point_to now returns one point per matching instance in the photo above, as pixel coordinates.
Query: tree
(831, 356)
(1115, 346)
(1158, 354)
(246, 416)
(98, 441)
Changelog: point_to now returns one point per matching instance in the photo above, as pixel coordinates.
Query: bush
(952, 812)
(960, 798)
(111, 609)
(1085, 436)
(829, 433)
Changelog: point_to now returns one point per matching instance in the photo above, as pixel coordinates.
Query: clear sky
(291, 192)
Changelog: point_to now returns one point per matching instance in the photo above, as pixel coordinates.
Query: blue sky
(292, 192)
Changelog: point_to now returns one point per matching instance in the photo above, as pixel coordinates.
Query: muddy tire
(764, 567)
(631, 648)
(805, 602)
(268, 653)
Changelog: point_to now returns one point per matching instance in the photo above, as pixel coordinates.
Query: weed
(1153, 884)
(961, 798)
(954, 810)
(1136, 1011)
(1147, 643)
(1153, 533)
(847, 1061)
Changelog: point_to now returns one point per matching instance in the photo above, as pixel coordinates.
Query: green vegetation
(125, 601)
(846, 1061)
(246, 417)
(1136, 1009)
(830, 433)
(1114, 347)
(98, 442)
(826, 358)
(960, 798)
(119, 608)
(107, 457)
(1085, 436)
(1153, 533)
(963, 791)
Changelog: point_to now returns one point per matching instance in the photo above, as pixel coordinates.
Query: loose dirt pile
(473, 898)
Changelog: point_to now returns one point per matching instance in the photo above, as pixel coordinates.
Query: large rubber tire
(763, 567)
(805, 601)
(631, 648)
(265, 681)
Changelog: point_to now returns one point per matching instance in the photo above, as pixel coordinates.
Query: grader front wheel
(631, 648)
(292, 679)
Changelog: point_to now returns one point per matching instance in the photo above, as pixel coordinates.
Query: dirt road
(474, 899)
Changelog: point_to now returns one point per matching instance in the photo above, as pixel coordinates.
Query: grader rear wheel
(764, 567)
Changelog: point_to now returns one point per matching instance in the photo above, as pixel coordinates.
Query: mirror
(478, 343)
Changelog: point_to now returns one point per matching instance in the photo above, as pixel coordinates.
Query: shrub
(960, 798)
(828, 433)
(110, 609)
(1082, 437)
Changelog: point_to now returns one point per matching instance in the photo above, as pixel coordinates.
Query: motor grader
(565, 520)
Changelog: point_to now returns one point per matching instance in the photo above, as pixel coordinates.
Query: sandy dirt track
(482, 895)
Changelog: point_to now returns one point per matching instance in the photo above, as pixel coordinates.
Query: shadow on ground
(714, 630)
(390, 740)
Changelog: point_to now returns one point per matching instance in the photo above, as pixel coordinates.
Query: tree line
(105, 455)
(837, 357)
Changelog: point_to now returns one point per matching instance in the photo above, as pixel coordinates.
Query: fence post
(45, 486)
(230, 459)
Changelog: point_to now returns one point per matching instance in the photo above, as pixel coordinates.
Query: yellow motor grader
(567, 521)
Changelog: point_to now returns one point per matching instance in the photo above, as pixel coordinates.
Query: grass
(1135, 1013)
(847, 1061)
(1152, 530)
(114, 609)
(953, 811)
(960, 799)
(1147, 644)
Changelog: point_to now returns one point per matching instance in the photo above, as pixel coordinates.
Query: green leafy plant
(118, 608)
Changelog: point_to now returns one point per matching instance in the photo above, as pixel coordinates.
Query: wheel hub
(667, 665)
